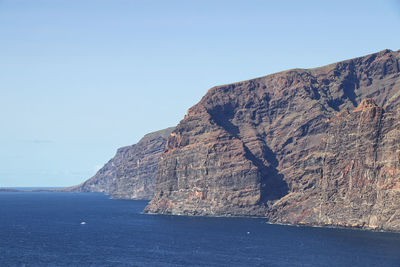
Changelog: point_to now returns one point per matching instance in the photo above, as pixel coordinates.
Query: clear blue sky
(80, 78)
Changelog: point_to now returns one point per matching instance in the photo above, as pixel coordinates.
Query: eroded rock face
(130, 174)
(354, 174)
(255, 148)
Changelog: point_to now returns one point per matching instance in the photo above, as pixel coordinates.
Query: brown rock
(358, 163)
(266, 147)
(130, 174)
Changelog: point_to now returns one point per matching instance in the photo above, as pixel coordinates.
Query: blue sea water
(44, 229)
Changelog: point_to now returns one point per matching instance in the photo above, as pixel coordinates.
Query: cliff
(130, 174)
(353, 176)
(303, 146)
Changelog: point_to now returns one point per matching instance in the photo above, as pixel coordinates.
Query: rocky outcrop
(353, 176)
(130, 174)
(284, 146)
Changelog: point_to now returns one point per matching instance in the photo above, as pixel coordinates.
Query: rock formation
(304, 146)
(130, 174)
(353, 176)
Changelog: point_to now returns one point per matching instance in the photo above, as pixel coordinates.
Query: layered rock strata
(284, 146)
(130, 174)
(353, 176)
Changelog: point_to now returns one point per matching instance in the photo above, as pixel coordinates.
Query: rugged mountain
(130, 174)
(353, 176)
(295, 146)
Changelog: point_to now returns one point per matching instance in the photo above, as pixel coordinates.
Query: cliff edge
(130, 174)
(304, 146)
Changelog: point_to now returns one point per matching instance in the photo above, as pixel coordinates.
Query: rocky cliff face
(294, 146)
(130, 174)
(353, 176)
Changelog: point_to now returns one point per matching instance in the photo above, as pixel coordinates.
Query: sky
(80, 78)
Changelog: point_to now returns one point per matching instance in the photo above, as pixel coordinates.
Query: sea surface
(45, 229)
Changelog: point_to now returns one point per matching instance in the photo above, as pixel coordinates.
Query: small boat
(83, 222)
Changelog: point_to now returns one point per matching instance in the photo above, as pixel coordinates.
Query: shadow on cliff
(272, 183)
(347, 87)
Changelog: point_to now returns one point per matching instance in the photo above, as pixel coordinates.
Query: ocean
(89, 229)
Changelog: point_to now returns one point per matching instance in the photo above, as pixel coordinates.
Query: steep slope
(130, 174)
(240, 151)
(353, 176)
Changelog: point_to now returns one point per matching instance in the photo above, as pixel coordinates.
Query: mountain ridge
(130, 173)
(237, 152)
